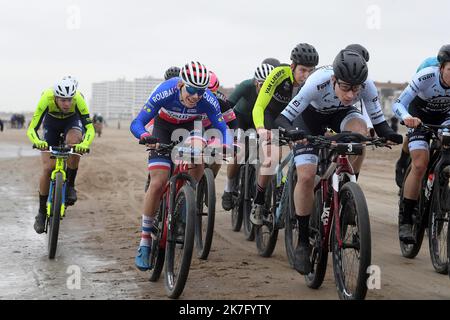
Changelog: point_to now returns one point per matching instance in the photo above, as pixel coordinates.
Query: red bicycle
(174, 231)
(340, 220)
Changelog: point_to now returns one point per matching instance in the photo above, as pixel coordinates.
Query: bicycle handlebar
(342, 138)
(63, 150)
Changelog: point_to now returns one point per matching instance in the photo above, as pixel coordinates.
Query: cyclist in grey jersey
(326, 100)
(403, 161)
(426, 99)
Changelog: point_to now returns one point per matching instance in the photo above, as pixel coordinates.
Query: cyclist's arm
(371, 103)
(301, 101)
(36, 121)
(83, 112)
(366, 115)
(419, 82)
(150, 109)
(237, 94)
(212, 109)
(273, 80)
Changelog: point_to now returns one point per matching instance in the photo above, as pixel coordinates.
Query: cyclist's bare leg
(359, 126)
(155, 190)
(405, 147)
(232, 171)
(73, 136)
(196, 172)
(47, 167)
(267, 168)
(215, 167)
(419, 165)
(304, 189)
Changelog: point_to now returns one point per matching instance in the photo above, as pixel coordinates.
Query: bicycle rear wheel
(351, 260)
(238, 197)
(319, 252)
(438, 226)
(158, 247)
(55, 216)
(291, 230)
(410, 250)
(205, 214)
(266, 235)
(180, 242)
(250, 183)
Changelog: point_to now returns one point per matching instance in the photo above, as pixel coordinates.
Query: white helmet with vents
(66, 88)
(263, 71)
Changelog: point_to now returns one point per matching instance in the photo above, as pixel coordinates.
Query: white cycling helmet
(263, 71)
(65, 88)
(75, 81)
(195, 74)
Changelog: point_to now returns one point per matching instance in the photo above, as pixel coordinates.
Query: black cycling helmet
(444, 54)
(360, 49)
(305, 54)
(172, 72)
(272, 61)
(350, 67)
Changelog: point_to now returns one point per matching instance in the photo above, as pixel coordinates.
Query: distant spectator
(1, 125)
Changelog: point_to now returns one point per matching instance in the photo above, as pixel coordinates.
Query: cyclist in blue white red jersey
(175, 104)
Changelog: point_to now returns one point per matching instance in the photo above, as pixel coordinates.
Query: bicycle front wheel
(351, 259)
(180, 242)
(291, 231)
(319, 252)
(266, 235)
(55, 216)
(238, 199)
(206, 212)
(250, 184)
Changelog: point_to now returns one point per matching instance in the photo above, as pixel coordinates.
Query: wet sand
(101, 232)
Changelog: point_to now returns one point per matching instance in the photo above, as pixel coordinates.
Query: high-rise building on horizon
(121, 99)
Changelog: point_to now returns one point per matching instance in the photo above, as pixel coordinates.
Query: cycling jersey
(426, 92)
(165, 102)
(318, 91)
(227, 112)
(274, 95)
(243, 97)
(47, 107)
(428, 62)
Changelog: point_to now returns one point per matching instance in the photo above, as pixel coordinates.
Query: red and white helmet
(213, 82)
(195, 74)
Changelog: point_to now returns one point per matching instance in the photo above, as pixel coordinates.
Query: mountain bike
(56, 202)
(340, 219)
(174, 228)
(275, 206)
(433, 209)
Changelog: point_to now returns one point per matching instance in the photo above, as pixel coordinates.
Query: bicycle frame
(338, 168)
(177, 180)
(280, 209)
(60, 165)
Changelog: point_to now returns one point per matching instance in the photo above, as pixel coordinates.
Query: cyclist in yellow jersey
(63, 110)
(280, 86)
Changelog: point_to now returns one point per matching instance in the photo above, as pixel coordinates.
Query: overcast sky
(41, 41)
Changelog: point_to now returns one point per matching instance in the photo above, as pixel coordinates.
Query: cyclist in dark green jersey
(243, 99)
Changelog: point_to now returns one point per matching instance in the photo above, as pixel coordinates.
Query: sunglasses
(193, 90)
(347, 87)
